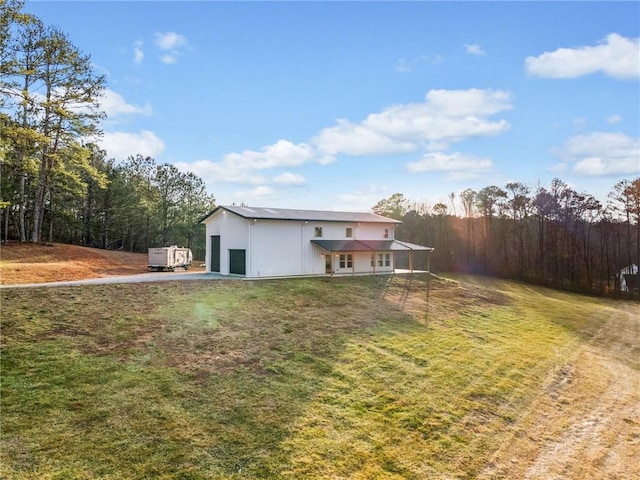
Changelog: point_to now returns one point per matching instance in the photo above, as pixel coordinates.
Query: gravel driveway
(141, 278)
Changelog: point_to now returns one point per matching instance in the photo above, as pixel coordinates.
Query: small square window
(318, 232)
(349, 233)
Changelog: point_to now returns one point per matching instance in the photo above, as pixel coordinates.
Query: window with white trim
(318, 232)
(386, 233)
(381, 259)
(387, 259)
(346, 260)
(349, 232)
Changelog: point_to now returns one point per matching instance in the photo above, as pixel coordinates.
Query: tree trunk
(21, 209)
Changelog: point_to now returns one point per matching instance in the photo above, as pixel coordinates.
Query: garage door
(237, 262)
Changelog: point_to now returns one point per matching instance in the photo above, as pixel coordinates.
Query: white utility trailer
(169, 258)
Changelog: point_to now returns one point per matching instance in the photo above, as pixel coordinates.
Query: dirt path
(586, 424)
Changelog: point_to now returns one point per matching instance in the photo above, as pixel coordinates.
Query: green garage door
(237, 262)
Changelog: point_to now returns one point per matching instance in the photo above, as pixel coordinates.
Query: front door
(327, 263)
(215, 253)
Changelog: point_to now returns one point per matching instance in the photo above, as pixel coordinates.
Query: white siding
(233, 231)
(374, 231)
(283, 247)
(276, 248)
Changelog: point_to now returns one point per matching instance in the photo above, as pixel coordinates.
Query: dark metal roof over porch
(368, 246)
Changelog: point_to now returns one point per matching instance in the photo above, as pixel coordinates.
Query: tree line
(553, 236)
(55, 183)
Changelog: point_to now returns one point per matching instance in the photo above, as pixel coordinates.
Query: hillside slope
(38, 263)
(388, 377)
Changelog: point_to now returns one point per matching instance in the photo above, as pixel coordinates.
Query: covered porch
(350, 254)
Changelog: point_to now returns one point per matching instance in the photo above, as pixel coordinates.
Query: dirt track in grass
(586, 423)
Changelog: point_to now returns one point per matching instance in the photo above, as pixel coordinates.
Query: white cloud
(474, 49)
(240, 167)
(446, 116)
(170, 40)
(171, 44)
(138, 53)
(617, 57)
(120, 145)
(405, 65)
(168, 59)
(457, 165)
(613, 119)
(288, 178)
(216, 172)
(353, 139)
(283, 153)
(600, 154)
(579, 123)
(114, 105)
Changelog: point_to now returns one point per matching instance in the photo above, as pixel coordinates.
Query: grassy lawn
(367, 377)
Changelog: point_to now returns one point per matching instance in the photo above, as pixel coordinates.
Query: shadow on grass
(175, 379)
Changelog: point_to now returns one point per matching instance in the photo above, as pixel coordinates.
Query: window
(346, 260)
(318, 232)
(387, 259)
(349, 232)
(381, 260)
(386, 233)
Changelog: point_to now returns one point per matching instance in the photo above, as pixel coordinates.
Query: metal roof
(368, 246)
(415, 247)
(261, 213)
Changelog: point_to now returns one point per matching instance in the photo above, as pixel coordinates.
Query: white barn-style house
(274, 242)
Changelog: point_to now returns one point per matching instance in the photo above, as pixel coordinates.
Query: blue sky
(336, 105)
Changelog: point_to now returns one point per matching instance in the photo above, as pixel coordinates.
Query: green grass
(303, 378)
